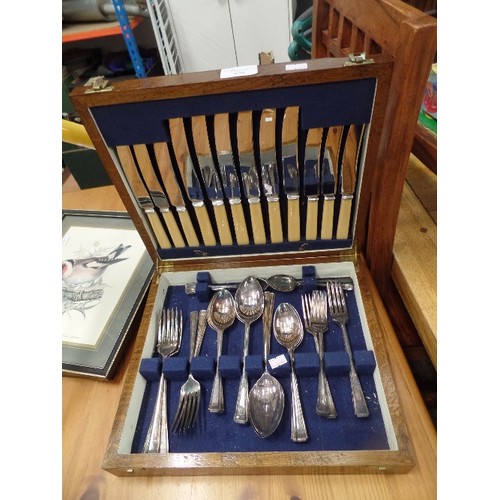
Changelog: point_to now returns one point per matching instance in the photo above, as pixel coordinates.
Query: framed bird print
(106, 272)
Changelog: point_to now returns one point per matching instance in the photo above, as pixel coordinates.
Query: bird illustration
(86, 271)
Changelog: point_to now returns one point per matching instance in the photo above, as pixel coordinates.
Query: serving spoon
(277, 282)
(249, 299)
(289, 332)
(266, 400)
(221, 313)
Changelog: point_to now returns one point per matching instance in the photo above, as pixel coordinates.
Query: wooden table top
(88, 411)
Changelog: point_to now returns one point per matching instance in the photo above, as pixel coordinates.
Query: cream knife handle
(240, 226)
(344, 217)
(223, 224)
(173, 229)
(187, 227)
(259, 234)
(312, 218)
(160, 233)
(205, 225)
(275, 226)
(293, 219)
(327, 218)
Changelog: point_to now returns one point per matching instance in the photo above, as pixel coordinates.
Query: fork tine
(179, 414)
(195, 412)
(188, 414)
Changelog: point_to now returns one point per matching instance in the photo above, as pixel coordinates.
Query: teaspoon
(220, 315)
(249, 299)
(289, 332)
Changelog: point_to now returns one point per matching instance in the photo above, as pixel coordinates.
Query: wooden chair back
(407, 34)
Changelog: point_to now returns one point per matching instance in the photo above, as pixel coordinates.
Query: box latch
(357, 59)
(97, 84)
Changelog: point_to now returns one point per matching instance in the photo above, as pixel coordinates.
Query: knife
(174, 193)
(271, 191)
(328, 181)
(157, 194)
(191, 183)
(195, 194)
(269, 173)
(203, 148)
(350, 156)
(240, 226)
(252, 194)
(292, 191)
(290, 169)
(216, 196)
(226, 161)
(141, 194)
(311, 188)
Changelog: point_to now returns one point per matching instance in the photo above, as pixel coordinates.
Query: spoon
(249, 299)
(220, 315)
(278, 282)
(266, 400)
(289, 332)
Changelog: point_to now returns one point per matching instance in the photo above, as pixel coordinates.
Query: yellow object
(75, 133)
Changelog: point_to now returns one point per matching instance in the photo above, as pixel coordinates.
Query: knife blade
(328, 181)
(350, 157)
(174, 193)
(158, 196)
(252, 193)
(142, 195)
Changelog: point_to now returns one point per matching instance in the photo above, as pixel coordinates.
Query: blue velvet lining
(142, 122)
(218, 432)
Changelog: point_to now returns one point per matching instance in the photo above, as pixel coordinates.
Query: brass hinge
(97, 84)
(164, 266)
(358, 58)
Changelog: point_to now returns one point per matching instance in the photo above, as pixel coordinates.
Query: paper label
(294, 67)
(238, 71)
(278, 361)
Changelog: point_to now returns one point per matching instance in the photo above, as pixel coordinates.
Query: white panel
(262, 26)
(203, 29)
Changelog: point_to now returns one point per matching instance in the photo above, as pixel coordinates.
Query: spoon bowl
(266, 400)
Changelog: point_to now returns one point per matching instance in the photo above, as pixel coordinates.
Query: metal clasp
(97, 84)
(358, 58)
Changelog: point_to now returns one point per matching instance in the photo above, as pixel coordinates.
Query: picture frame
(106, 272)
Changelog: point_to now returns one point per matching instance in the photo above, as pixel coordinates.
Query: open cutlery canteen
(242, 187)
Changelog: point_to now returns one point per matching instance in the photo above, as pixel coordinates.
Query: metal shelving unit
(166, 38)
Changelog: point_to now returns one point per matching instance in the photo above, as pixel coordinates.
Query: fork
(340, 315)
(315, 312)
(168, 343)
(190, 393)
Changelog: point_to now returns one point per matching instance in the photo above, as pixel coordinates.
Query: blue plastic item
(128, 35)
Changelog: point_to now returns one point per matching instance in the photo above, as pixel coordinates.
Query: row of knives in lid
(251, 177)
